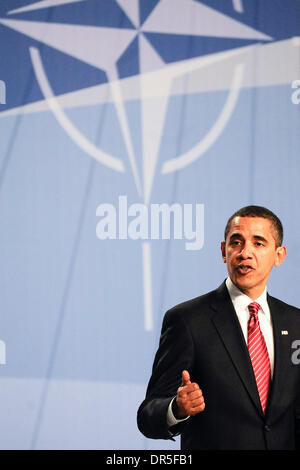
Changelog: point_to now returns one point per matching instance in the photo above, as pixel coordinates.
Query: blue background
(78, 355)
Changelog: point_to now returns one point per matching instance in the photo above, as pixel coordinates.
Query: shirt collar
(242, 300)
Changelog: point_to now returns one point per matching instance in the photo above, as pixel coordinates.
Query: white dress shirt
(240, 302)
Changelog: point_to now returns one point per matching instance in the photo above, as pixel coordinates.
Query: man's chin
(243, 283)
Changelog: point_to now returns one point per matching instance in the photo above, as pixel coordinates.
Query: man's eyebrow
(235, 235)
(256, 237)
(260, 237)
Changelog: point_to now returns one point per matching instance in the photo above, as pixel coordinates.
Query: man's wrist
(171, 419)
(175, 411)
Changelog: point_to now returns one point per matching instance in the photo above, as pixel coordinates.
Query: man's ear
(223, 251)
(280, 255)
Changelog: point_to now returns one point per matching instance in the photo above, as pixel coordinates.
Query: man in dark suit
(224, 375)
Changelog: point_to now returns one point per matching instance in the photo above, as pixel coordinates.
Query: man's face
(250, 253)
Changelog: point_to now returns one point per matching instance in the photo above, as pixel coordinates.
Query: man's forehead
(251, 224)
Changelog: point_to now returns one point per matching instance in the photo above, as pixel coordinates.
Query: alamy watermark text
(155, 221)
(296, 94)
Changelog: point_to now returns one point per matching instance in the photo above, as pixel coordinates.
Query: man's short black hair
(259, 211)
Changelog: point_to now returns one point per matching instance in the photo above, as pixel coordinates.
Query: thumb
(185, 378)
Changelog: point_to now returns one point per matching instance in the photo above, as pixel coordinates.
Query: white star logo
(102, 47)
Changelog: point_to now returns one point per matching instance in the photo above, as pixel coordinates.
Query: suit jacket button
(267, 428)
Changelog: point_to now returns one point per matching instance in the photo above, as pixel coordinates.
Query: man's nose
(246, 251)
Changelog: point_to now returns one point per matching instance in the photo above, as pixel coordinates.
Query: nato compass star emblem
(155, 79)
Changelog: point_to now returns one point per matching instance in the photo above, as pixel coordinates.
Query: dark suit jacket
(204, 336)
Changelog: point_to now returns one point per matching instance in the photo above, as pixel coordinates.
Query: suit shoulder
(191, 306)
(285, 307)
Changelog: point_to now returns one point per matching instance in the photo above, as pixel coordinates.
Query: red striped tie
(258, 354)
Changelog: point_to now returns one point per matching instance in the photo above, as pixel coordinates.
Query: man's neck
(253, 294)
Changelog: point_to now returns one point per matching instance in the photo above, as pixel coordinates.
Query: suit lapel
(230, 332)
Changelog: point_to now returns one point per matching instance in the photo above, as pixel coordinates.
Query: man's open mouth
(243, 269)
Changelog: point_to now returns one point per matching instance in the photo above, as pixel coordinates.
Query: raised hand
(189, 399)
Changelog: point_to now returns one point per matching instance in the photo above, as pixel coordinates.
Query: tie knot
(253, 308)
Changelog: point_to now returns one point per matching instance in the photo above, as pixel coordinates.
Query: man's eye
(259, 244)
(235, 242)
